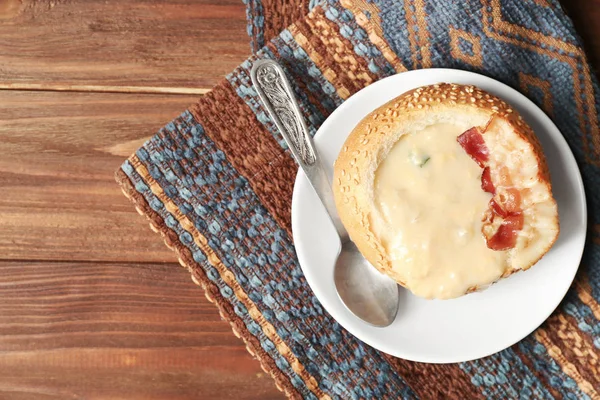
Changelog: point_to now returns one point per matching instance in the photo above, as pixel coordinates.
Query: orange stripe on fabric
(577, 347)
(372, 25)
(584, 291)
(567, 367)
(476, 58)
(528, 81)
(229, 279)
(423, 36)
(316, 57)
(592, 115)
(412, 37)
(352, 69)
(499, 23)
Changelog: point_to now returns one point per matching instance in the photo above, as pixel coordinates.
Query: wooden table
(93, 304)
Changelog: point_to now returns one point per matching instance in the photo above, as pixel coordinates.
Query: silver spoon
(366, 292)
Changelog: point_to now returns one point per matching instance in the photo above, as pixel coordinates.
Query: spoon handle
(280, 102)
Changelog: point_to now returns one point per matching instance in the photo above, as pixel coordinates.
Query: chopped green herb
(422, 164)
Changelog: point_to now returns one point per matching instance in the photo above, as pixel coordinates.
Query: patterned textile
(267, 18)
(216, 183)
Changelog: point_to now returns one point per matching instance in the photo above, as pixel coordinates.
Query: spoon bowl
(365, 291)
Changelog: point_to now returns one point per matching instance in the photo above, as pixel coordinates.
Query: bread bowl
(446, 190)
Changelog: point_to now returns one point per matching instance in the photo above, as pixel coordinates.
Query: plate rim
(559, 140)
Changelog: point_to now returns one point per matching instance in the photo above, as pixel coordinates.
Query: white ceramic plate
(475, 325)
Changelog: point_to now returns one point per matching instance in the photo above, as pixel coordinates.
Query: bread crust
(368, 144)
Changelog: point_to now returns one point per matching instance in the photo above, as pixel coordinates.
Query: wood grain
(59, 154)
(178, 44)
(102, 330)
(106, 326)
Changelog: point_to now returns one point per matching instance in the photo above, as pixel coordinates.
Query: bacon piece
(506, 236)
(497, 209)
(486, 181)
(473, 143)
(506, 203)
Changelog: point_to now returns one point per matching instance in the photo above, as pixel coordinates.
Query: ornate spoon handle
(279, 100)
